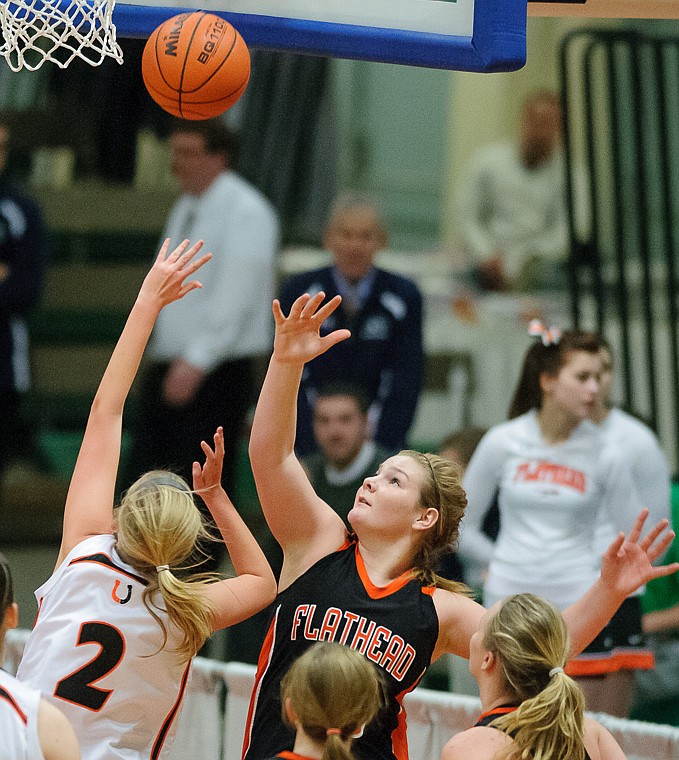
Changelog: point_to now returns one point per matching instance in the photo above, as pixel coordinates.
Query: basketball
(195, 65)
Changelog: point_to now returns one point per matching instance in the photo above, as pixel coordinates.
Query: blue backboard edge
(498, 42)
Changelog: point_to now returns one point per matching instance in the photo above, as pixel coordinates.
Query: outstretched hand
(298, 336)
(207, 480)
(628, 561)
(166, 281)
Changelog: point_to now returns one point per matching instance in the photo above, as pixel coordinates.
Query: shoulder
(476, 743)
(57, 737)
(314, 278)
(600, 743)
(513, 430)
(400, 284)
(623, 425)
(490, 156)
(249, 198)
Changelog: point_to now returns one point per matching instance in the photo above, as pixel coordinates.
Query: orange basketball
(195, 65)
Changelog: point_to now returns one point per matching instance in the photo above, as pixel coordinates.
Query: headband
(550, 336)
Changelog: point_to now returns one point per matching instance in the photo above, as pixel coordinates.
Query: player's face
(340, 428)
(575, 389)
(354, 237)
(390, 500)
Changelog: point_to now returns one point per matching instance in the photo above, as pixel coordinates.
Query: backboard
(467, 35)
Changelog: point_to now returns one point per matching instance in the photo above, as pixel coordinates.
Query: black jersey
(396, 627)
(487, 718)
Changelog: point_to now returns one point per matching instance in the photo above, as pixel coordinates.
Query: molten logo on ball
(196, 65)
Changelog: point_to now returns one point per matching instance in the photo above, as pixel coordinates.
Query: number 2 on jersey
(78, 687)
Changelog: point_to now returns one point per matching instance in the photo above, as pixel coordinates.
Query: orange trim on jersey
(495, 711)
(165, 728)
(399, 736)
(37, 614)
(292, 756)
(379, 592)
(428, 590)
(262, 666)
(4, 694)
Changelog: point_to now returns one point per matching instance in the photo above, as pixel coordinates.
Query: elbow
(267, 588)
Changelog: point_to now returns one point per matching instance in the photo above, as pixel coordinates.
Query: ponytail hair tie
(550, 336)
(162, 567)
(554, 671)
(333, 732)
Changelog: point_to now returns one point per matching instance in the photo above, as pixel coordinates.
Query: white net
(35, 31)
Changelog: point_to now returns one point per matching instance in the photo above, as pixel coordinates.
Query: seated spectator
(511, 208)
(346, 456)
(384, 355)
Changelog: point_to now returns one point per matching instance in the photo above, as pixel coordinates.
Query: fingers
(327, 309)
(661, 547)
(298, 305)
(197, 476)
(178, 251)
(278, 316)
(206, 449)
(163, 250)
(663, 570)
(653, 534)
(638, 526)
(219, 442)
(614, 549)
(335, 337)
(312, 304)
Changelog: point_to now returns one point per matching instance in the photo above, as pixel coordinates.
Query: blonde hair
(333, 692)
(159, 524)
(529, 636)
(442, 490)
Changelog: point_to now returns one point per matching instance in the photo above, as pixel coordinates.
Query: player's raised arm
(89, 504)
(233, 599)
(625, 567)
(304, 525)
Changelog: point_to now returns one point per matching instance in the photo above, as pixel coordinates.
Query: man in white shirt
(204, 350)
(511, 209)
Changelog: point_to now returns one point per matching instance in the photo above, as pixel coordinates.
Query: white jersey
(638, 447)
(549, 498)
(95, 652)
(18, 720)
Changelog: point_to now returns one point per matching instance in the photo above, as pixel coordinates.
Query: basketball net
(35, 31)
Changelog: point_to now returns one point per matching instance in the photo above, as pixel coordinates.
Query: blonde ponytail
(530, 638)
(333, 692)
(158, 529)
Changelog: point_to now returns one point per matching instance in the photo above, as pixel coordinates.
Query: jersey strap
(106, 561)
(7, 697)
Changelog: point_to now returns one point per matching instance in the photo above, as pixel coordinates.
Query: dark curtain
(289, 139)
